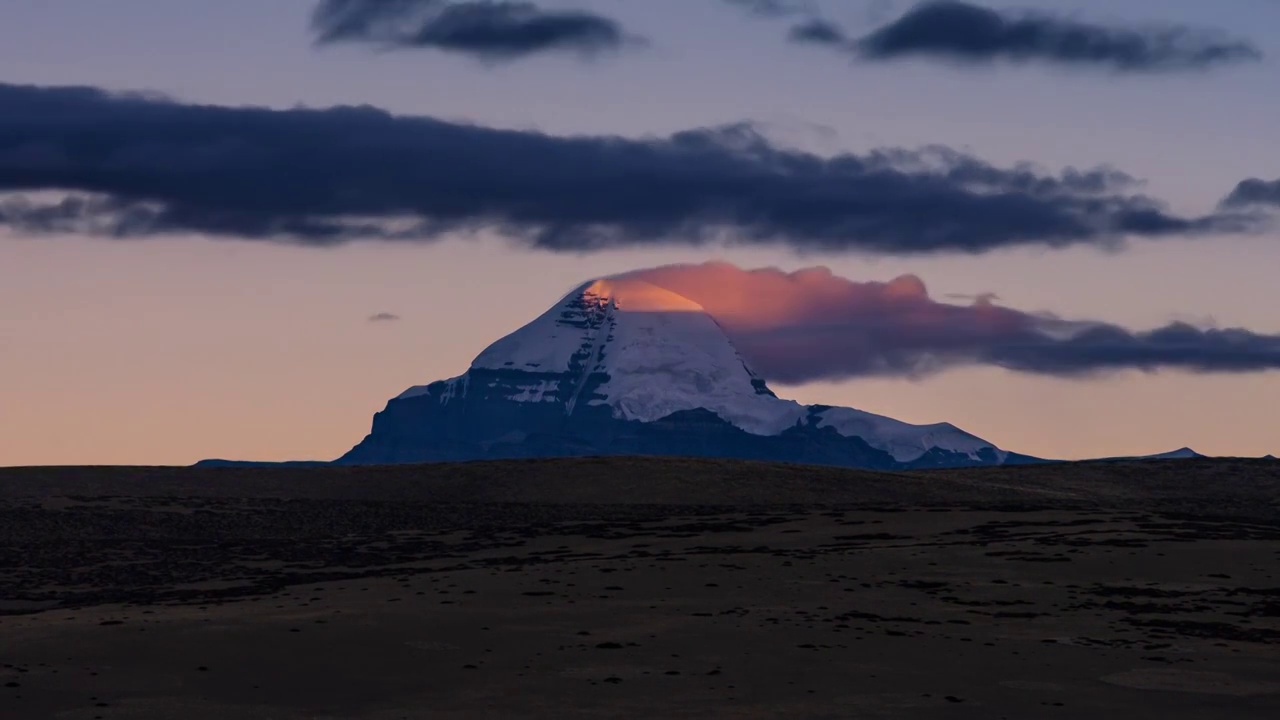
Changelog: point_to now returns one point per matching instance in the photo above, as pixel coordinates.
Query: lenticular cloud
(813, 325)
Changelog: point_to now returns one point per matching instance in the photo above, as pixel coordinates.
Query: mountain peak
(634, 295)
(569, 334)
(621, 362)
(1182, 452)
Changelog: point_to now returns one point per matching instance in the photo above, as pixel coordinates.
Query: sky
(212, 294)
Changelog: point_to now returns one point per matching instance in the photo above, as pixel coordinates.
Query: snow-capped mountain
(622, 366)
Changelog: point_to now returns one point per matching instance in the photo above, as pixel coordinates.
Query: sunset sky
(182, 277)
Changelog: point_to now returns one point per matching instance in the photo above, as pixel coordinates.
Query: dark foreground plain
(641, 588)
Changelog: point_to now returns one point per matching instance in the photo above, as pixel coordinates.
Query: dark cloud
(1254, 192)
(489, 29)
(813, 325)
(129, 165)
(968, 33)
(383, 317)
(819, 32)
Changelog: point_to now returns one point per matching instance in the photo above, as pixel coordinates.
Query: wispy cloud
(813, 325)
(774, 8)
(133, 165)
(383, 317)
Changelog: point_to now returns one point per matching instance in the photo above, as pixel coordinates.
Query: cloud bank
(492, 30)
(81, 160)
(965, 33)
(812, 325)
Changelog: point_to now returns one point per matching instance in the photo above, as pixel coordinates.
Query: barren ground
(641, 588)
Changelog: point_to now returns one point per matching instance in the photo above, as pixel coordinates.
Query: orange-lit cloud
(811, 324)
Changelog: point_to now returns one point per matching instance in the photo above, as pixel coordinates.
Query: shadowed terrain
(627, 587)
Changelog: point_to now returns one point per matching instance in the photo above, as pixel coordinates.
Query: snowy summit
(621, 365)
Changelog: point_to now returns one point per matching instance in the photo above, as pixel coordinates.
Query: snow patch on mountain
(904, 441)
(666, 354)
